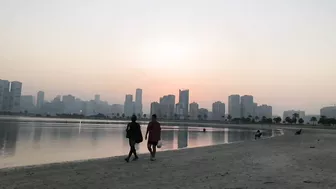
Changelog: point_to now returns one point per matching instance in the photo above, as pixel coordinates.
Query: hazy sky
(280, 51)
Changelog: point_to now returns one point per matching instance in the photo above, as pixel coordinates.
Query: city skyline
(281, 52)
(147, 107)
(12, 100)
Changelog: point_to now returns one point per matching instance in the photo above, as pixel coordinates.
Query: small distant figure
(154, 136)
(298, 132)
(134, 135)
(257, 135)
(204, 130)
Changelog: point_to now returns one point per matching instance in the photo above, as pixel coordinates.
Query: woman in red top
(154, 132)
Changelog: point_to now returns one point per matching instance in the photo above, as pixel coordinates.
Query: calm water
(38, 143)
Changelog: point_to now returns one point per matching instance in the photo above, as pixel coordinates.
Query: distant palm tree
(301, 121)
(123, 116)
(288, 120)
(322, 120)
(205, 116)
(296, 116)
(229, 117)
(256, 118)
(118, 115)
(313, 119)
(145, 116)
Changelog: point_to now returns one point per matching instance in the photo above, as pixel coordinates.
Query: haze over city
(281, 52)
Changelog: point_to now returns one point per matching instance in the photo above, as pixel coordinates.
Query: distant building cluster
(244, 106)
(133, 107)
(239, 106)
(10, 96)
(329, 112)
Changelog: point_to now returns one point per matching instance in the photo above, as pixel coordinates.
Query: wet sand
(306, 161)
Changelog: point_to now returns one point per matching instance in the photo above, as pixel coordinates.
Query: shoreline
(287, 161)
(194, 123)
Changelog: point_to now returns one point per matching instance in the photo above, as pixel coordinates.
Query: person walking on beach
(134, 135)
(154, 136)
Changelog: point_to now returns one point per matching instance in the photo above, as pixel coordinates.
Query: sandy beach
(306, 161)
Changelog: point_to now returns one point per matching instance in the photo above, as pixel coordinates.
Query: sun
(163, 53)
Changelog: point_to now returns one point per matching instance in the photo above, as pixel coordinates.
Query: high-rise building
(264, 110)
(234, 106)
(97, 98)
(167, 105)
(218, 110)
(27, 103)
(40, 99)
(329, 112)
(15, 96)
(255, 110)
(4, 95)
(290, 113)
(129, 105)
(247, 106)
(138, 102)
(194, 110)
(184, 101)
(155, 109)
(69, 103)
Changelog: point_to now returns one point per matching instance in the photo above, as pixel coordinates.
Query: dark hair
(134, 118)
(154, 116)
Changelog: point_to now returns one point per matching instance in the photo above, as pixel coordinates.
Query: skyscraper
(155, 109)
(27, 103)
(167, 104)
(234, 106)
(194, 110)
(69, 103)
(218, 110)
(138, 102)
(4, 95)
(40, 99)
(247, 106)
(15, 96)
(97, 98)
(129, 105)
(184, 102)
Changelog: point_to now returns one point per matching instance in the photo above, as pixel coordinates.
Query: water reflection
(38, 143)
(8, 139)
(182, 140)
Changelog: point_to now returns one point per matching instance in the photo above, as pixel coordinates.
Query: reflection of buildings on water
(55, 132)
(218, 137)
(8, 137)
(226, 135)
(182, 139)
(66, 134)
(194, 137)
(167, 137)
(37, 137)
(94, 136)
(37, 134)
(239, 135)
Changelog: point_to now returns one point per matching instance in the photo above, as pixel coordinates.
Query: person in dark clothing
(134, 135)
